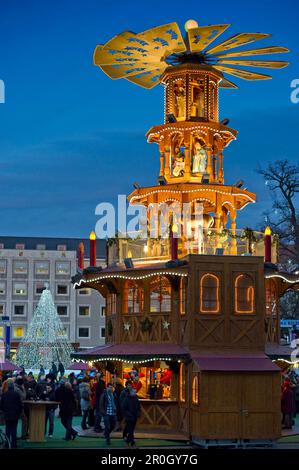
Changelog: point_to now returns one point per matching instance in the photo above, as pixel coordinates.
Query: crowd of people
(104, 407)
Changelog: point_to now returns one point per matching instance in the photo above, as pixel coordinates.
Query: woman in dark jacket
(11, 405)
(65, 395)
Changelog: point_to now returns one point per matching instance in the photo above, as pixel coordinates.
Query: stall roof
(256, 363)
(133, 351)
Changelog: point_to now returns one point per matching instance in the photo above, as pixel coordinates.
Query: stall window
(244, 294)
(183, 295)
(160, 295)
(111, 304)
(132, 297)
(195, 390)
(271, 301)
(183, 383)
(209, 294)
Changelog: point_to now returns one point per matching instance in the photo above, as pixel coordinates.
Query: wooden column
(209, 162)
(220, 167)
(162, 160)
(233, 245)
(166, 160)
(187, 155)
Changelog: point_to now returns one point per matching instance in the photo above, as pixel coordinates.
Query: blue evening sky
(70, 137)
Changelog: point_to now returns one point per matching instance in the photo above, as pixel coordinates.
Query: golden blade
(126, 70)
(129, 44)
(199, 38)
(237, 41)
(270, 64)
(259, 51)
(225, 83)
(245, 74)
(105, 56)
(148, 79)
(162, 40)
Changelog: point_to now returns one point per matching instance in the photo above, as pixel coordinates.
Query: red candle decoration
(81, 255)
(92, 249)
(267, 245)
(174, 241)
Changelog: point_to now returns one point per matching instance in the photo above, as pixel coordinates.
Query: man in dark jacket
(99, 388)
(50, 395)
(131, 411)
(124, 394)
(61, 369)
(65, 395)
(108, 411)
(11, 405)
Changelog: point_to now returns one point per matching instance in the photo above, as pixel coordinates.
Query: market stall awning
(279, 351)
(137, 352)
(235, 363)
(7, 366)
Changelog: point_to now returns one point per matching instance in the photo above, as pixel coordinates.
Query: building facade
(27, 265)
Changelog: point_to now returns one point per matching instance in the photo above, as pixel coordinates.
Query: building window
(62, 310)
(84, 311)
(111, 304)
(182, 382)
(1, 246)
(61, 247)
(20, 288)
(40, 247)
(209, 294)
(160, 295)
(195, 390)
(18, 332)
(63, 267)
(63, 333)
(2, 266)
(41, 267)
(132, 297)
(83, 332)
(85, 291)
(39, 288)
(103, 311)
(20, 246)
(20, 267)
(244, 294)
(19, 310)
(102, 332)
(1, 309)
(2, 288)
(62, 289)
(183, 295)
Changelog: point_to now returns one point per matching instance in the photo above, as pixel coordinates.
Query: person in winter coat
(124, 394)
(287, 404)
(54, 370)
(11, 405)
(85, 402)
(118, 388)
(50, 395)
(108, 411)
(131, 411)
(20, 389)
(99, 388)
(64, 394)
(61, 369)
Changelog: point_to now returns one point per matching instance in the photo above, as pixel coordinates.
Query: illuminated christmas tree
(46, 340)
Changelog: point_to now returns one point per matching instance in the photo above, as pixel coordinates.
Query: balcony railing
(151, 250)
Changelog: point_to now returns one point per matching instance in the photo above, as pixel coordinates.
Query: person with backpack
(85, 402)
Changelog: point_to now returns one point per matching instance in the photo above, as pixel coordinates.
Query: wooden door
(260, 410)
